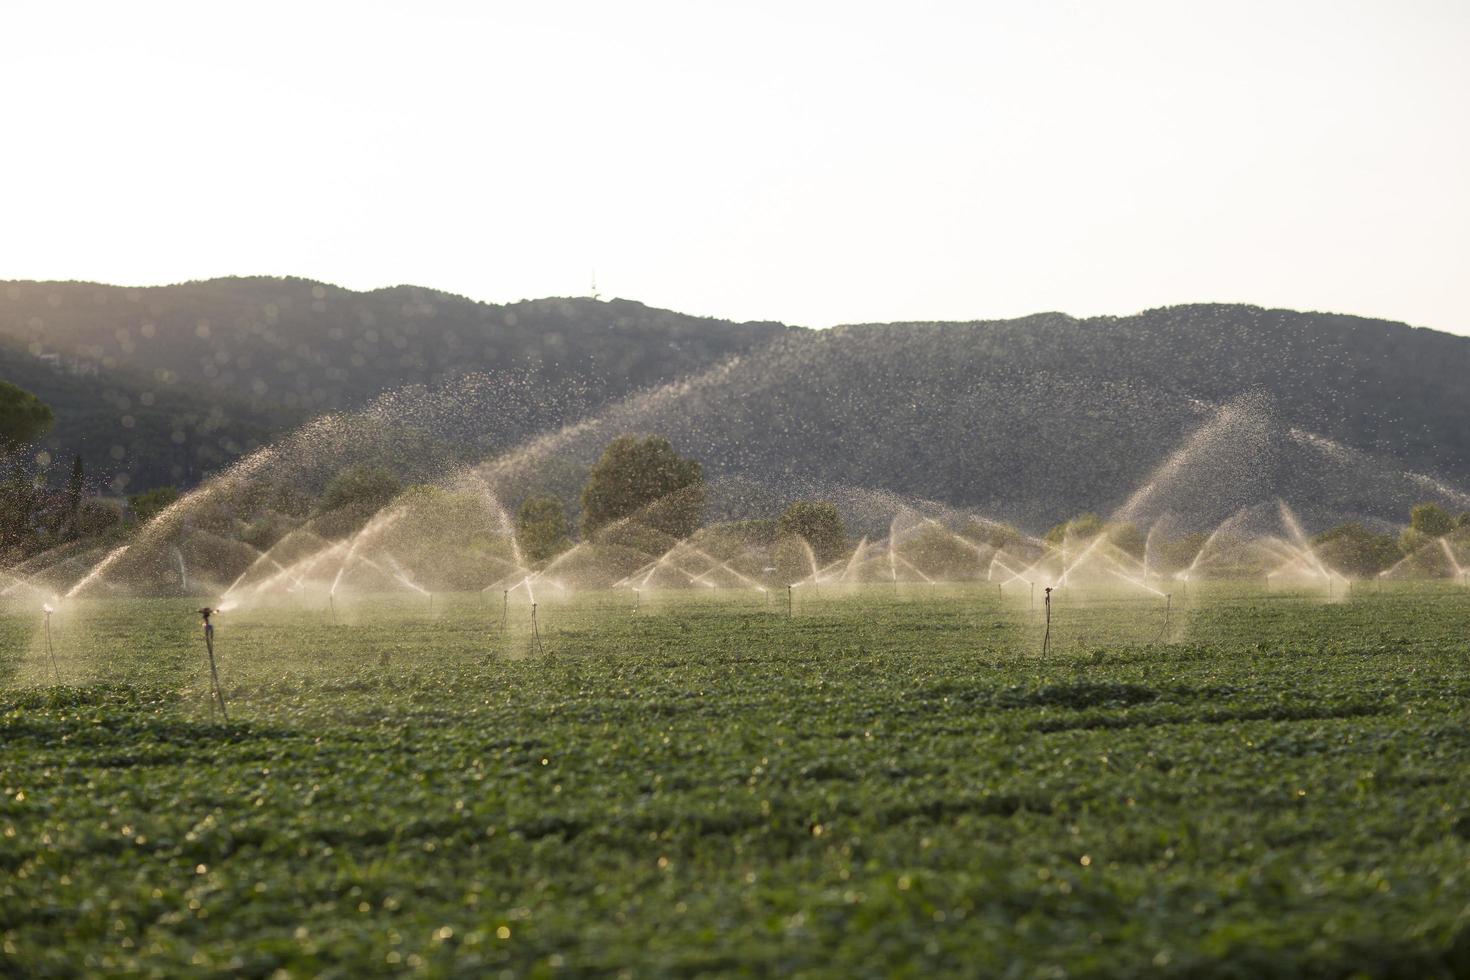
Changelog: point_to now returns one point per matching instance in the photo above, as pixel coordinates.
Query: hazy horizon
(814, 164)
(606, 298)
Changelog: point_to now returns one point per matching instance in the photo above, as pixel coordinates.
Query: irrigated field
(887, 782)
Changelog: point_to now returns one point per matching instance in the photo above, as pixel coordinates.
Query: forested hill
(178, 380)
(165, 384)
(1375, 385)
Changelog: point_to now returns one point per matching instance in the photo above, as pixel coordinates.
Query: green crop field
(888, 781)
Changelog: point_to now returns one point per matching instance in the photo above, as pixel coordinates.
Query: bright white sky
(812, 162)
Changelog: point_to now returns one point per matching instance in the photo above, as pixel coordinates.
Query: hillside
(207, 370)
(1037, 419)
(1032, 419)
(127, 425)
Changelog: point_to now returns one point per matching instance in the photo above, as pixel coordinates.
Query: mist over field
(666, 490)
(1034, 419)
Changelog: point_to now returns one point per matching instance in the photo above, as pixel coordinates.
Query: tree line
(638, 482)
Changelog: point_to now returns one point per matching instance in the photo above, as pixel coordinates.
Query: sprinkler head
(205, 613)
(48, 609)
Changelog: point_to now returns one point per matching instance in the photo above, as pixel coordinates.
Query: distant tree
(1127, 537)
(150, 503)
(1431, 520)
(1176, 554)
(74, 488)
(791, 560)
(24, 418)
(265, 530)
(645, 478)
(20, 506)
(735, 535)
(279, 496)
(941, 554)
(999, 536)
(541, 528)
(1080, 528)
(1084, 527)
(365, 488)
(1356, 551)
(96, 517)
(442, 539)
(819, 524)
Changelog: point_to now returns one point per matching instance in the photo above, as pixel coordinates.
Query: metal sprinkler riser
(219, 694)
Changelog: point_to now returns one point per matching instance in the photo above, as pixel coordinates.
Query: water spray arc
(320, 555)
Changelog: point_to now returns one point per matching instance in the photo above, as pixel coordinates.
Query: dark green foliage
(1128, 538)
(734, 535)
(1001, 537)
(74, 488)
(179, 434)
(542, 529)
(209, 370)
(264, 531)
(1431, 520)
(24, 418)
(1077, 414)
(439, 540)
(150, 503)
(891, 406)
(793, 560)
(945, 556)
(97, 517)
(819, 524)
(1083, 527)
(21, 502)
(1355, 551)
(35, 517)
(362, 490)
(891, 786)
(1175, 553)
(645, 480)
